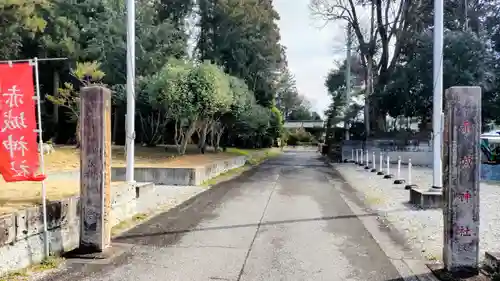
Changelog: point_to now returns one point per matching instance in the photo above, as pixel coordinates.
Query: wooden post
(95, 168)
(461, 177)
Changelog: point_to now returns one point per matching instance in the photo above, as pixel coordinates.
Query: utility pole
(130, 126)
(348, 79)
(369, 70)
(437, 106)
(466, 16)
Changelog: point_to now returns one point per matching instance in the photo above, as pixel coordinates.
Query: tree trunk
(78, 134)
(368, 95)
(217, 142)
(212, 136)
(187, 137)
(203, 138)
(115, 125)
(218, 135)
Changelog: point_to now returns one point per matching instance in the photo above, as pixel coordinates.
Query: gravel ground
(166, 197)
(423, 229)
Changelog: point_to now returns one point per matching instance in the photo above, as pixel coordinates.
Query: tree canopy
(223, 89)
(402, 77)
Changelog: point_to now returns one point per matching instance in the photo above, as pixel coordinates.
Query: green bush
(300, 137)
(267, 141)
(292, 139)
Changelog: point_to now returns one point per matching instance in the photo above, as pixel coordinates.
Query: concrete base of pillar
(441, 273)
(380, 173)
(399, 181)
(388, 176)
(492, 261)
(410, 186)
(88, 254)
(426, 199)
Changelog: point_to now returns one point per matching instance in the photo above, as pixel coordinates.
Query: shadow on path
(269, 223)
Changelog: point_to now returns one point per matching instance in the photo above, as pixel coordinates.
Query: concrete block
(21, 233)
(122, 193)
(123, 202)
(29, 222)
(73, 213)
(143, 189)
(492, 261)
(163, 176)
(426, 199)
(7, 229)
(57, 213)
(30, 250)
(181, 176)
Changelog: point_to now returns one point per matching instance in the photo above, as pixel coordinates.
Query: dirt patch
(15, 196)
(18, 195)
(68, 157)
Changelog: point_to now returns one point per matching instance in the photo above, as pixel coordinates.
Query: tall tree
(391, 23)
(243, 37)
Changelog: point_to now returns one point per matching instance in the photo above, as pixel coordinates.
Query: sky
(312, 49)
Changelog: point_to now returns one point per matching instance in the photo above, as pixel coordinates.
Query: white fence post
(374, 164)
(398, 179)
(410, 185)
(388, 175)
(381, 162)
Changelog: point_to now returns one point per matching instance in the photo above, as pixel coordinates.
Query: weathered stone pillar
(95, 168)
(461, 164)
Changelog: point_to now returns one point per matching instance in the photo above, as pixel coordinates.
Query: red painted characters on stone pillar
(466, 162)
(466, 128)
(464, 231)
(464, 197)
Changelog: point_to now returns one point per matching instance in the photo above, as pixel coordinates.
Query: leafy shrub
(267, 141)
(300, 137)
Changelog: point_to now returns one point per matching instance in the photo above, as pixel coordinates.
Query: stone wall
(420, 154)
(181, 176)
(21, 233)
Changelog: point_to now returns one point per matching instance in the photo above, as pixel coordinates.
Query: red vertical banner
(19, 159)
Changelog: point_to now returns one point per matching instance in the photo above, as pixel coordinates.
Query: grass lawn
(68, 158)
(14, 196)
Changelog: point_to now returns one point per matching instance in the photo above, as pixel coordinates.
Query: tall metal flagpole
(130, 129)
(437, 109)
(42, 162)
(348, 77)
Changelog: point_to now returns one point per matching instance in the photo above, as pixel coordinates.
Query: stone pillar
(461, 166)
(95, 168)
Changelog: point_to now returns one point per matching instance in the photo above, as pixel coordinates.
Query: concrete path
(285, 220)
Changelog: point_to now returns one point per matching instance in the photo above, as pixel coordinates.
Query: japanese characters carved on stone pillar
(95, 168)
(461, 177)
